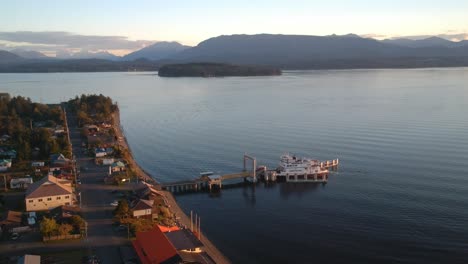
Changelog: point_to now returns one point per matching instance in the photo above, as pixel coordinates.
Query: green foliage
(65, 229)
(122, 210)
(93, 108)
(17, 116)
(77, 222)
(215, 70)
(48, 226)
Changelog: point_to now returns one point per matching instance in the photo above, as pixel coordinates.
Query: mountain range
(157, 51)
(287, 52)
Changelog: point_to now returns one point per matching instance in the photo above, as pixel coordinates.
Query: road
(184, 220)
(102, 239)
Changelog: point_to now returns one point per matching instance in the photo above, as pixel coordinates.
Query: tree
(122, 209)
(65, 229)
(48, 226)
(77, 222)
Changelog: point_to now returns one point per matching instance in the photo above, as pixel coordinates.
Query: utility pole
(4, 181)
(199, 229)
(191, 220)
(86, 229)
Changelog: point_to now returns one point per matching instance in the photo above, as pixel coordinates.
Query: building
(11, 219)
(20, 183)
(61, 173)
(59, 160)
(117, 166)
(153, 247)
(37, 164)
(107, 161)
(49, 193)
(142, 208)
(100, 152)
(5, 96)
(7, 152)
(173, 246)
(91, 129)
(30, 259)
(5, 164)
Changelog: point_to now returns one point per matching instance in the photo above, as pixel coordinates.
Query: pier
(208, 182)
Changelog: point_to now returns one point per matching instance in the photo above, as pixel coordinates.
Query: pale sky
(190, 22)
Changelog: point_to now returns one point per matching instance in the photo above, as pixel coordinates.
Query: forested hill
(215, 70)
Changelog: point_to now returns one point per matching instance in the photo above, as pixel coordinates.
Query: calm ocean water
(401, 192)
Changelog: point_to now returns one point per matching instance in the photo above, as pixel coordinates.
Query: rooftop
(48, 186)
(154, 247)
(184, 239)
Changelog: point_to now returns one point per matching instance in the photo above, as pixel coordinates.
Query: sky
(122, 26)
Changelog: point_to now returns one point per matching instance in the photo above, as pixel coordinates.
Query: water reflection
(288, 190)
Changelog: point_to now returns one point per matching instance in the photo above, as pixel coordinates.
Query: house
(6, 152)
(149, 192)
(61, 173)
(117, 166)
(100, 152)
(153, 247)
(37, 164)
(5, 138)
(107, 161)
(49, 193)
(11, 219)
(92, 129)
(5, 96)
(30, 259)
(59, 160)
(59, 130)
(142, 208)
(105, 125)
(5, 164)
(21, 183)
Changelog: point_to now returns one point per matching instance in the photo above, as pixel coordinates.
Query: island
(215, 70)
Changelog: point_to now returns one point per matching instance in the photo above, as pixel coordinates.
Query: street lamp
(79, 194)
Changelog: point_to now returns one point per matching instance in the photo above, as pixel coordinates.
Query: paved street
(96, 197)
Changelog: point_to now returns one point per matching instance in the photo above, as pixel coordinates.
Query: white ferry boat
(295, 169)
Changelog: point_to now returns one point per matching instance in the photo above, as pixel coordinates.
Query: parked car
(14, 236)
(114, 203)
(78, 181)
(122, 228)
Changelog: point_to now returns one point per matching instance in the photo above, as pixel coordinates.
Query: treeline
(29, 126)
(215, 70)
(93, 108)
(79, 65)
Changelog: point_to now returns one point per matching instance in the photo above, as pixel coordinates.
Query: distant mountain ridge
(426, 42)
(280, 51)
(28, 54)
(299, 51)
(157, 51)
(84, 54)
(8, 57)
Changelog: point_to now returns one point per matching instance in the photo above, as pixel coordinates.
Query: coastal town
(72, 192)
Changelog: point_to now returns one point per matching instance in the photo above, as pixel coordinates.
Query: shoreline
(174, 207)
(142, 174)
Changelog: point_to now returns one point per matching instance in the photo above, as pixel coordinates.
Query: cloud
(61, 40)
(449, 35)
(374, 36)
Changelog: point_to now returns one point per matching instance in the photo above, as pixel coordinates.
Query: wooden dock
(208, 181)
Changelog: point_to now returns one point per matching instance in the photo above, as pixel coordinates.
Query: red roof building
(153, 247)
